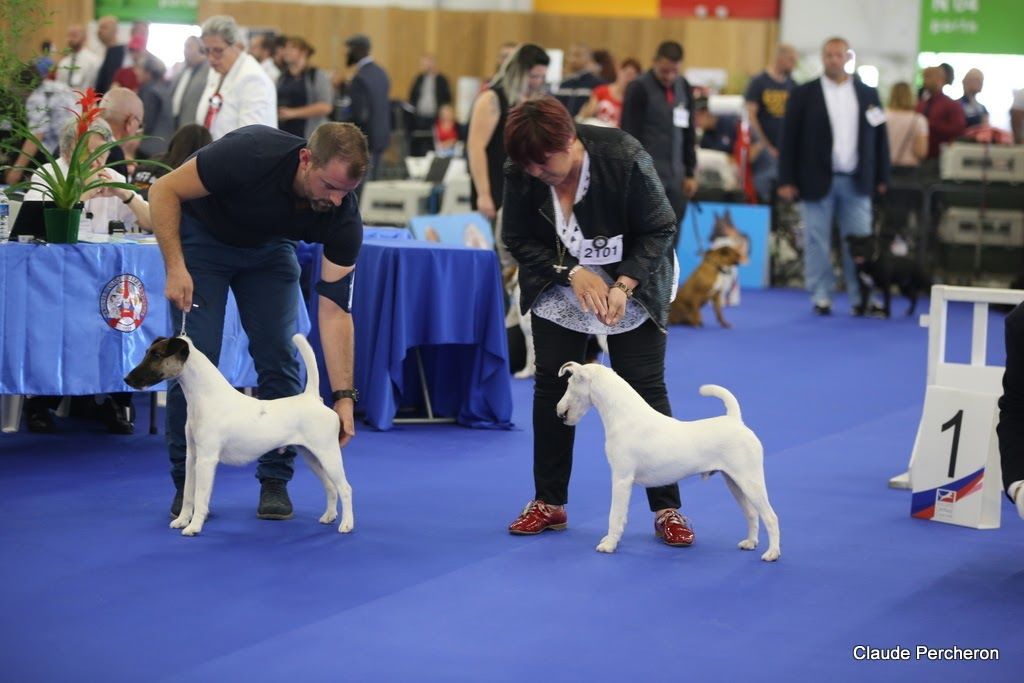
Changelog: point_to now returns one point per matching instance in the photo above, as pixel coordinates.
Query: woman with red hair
(588, 221)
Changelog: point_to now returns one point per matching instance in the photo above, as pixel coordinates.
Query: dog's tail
(732, 406)
(312, 374)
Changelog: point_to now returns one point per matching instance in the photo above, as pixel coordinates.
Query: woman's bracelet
(624, 288)
(572, 272)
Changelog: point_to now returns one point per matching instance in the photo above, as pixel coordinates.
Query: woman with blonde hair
(520, 77)
(908, 130)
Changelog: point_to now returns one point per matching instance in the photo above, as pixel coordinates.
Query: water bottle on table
(5, 216)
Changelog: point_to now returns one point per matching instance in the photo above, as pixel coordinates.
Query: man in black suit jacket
(370, 110)
(113, 58)
(1011, 411)
(834, 156)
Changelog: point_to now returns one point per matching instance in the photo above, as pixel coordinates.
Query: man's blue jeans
(265, 281)
(854, 213)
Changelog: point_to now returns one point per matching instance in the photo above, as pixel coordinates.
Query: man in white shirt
(79, 68)
(834, 157)
(261, 47)
(238, 91)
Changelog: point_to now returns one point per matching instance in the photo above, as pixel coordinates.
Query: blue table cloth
(447, 303)
(62, 306)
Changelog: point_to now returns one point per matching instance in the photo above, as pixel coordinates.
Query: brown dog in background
(705, 283)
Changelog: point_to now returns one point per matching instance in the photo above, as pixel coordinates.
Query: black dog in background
(878, 268)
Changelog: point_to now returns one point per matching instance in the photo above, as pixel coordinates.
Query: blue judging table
(441, 306)
(421, 305)
(72, 324)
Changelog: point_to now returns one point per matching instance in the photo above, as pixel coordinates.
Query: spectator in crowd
(49, 107)
(589, 182)
(188, 140)
(946, 120)
(576, 88)
(605, 103)
(834, 156)
(114, 58)
(304, 96)
(975, 112)
(188, 86)
(657, 111)
(908, 146)
(79, 68)
(1010, 429)
(126, 76)
(101, 206)
(766, 98)
(446, 131)
(368, 92)
(716, 132)
(155, 94)
(430, 92)
(238, 91)
(124, 111)
(1017, 116)
(262, 47)
(520, 78)
(505, 50)
(226, 221)
(604, 66)
(907, 129)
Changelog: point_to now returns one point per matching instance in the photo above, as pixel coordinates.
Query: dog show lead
(586, 217)
(226, 220)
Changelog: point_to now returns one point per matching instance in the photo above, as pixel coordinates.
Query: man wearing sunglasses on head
(238, 91)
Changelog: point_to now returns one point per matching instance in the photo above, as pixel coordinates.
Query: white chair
(456, 196)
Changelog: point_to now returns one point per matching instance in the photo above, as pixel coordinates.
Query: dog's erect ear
(571, 367)
(176, 346)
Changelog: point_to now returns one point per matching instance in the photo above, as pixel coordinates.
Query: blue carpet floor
(429, 587)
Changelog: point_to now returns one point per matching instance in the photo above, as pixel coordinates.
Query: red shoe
(674, 529)
(538, 516)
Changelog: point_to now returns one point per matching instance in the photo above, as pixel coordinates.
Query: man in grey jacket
(187, 87)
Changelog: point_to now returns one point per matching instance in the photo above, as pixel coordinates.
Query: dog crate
(973, 161)
(394, 202)
(994, 228)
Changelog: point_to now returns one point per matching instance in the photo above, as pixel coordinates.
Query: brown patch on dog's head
(164, 359)
(724, 256)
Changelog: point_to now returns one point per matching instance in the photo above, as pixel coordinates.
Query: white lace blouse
(559, 304)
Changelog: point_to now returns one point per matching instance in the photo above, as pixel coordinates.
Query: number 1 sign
(956, 474)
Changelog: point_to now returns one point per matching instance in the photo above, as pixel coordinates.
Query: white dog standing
(647, 448)
(225, 425)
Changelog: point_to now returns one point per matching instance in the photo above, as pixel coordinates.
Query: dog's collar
(723, 269)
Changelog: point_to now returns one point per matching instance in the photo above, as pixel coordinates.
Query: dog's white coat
(647, 448)
(225, 425)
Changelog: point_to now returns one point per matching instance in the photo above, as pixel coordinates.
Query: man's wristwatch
(345, 393)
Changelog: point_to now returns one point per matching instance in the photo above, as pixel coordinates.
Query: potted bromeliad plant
(77, 174)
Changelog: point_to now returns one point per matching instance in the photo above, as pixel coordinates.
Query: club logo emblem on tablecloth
(123, 303)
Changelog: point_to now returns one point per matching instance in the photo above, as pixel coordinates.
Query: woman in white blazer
(238, 91)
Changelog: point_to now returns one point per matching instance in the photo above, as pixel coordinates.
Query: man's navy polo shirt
(250, 174)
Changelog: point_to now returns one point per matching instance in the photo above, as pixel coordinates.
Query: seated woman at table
(567, 189)
(186, 141)
(102, 205)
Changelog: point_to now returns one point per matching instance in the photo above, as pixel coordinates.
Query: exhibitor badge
(123, 303)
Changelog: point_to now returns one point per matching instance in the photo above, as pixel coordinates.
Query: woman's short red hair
(536, 129)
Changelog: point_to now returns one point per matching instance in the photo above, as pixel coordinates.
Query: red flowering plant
(85, 161)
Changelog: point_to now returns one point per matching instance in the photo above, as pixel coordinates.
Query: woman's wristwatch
(345, 393)
(624, 288)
